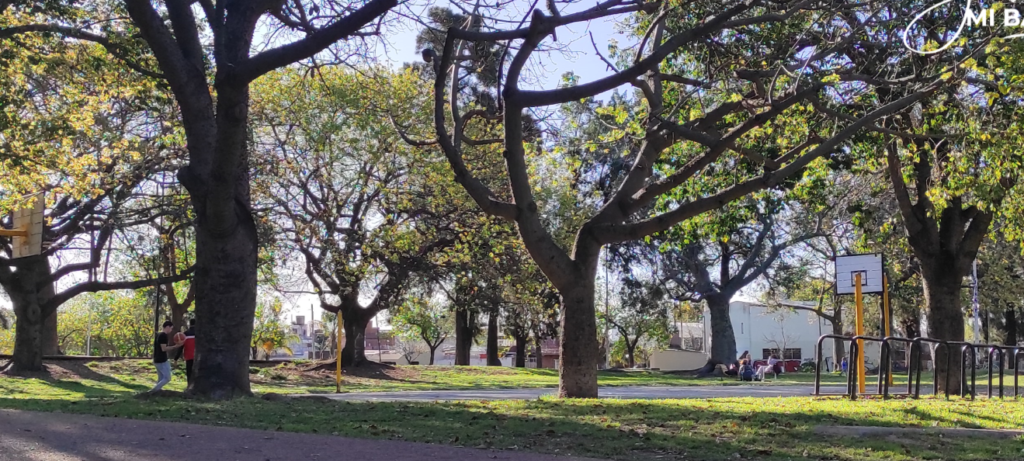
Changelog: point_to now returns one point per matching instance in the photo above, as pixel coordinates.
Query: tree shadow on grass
(83, 371)
(604, 429)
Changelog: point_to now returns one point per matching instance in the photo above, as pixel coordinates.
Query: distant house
(762, 330)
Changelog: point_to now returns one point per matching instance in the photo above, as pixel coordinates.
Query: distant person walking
(161, 346)
(190, 349)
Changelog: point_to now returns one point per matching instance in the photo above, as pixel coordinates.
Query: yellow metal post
(337, 355)
(887, 317)
(859, 298)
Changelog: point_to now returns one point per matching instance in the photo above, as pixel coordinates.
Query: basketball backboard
(28, 222)
(869, 267)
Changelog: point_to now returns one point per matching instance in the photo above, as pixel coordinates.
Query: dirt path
(30, 436)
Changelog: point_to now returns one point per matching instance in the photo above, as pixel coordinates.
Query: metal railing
(818, 361)
(968, 359)
(885, 365)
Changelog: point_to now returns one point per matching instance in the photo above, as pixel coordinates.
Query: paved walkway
(30, 436)
(627, 392)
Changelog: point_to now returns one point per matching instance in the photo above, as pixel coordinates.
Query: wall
(756, 326)
(676, 360)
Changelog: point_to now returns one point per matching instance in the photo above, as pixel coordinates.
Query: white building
(761, 329)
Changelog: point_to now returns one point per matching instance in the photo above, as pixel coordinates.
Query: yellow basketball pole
(887, 318)
(337, 333)
(859, 298)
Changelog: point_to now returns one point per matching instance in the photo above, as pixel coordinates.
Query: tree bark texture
(578, 345)
(225, 301)
(539, 353)
(28, 291)
(1011, 326)
(723, 338)
(521, 351)
(838, 344)
(355, 320)
(51, 340)
(465, 324)
(1011, 333)
(492, 341)
(945, 321)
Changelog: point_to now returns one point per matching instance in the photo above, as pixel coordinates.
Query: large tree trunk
(945, 320)
(723, 339)
(464, 329)
(578, 345)
(521, 341)
(28, 290)
(225, 305)
(492, 341)
(354, 321)
(51, 340)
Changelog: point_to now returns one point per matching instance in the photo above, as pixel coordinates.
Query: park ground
(714, 429)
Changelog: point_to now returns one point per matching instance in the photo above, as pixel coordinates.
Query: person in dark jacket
(161, 346)
(746, 371)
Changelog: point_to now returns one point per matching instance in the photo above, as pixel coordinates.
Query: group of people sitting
(744, 369)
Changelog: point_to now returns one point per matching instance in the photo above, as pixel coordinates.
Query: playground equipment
(27, 234)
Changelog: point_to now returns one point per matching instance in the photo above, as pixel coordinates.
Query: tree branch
(91, 287)
(316, 42)
(610, 233)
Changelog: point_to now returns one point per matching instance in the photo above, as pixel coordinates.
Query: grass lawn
(742, 428)
(289, 378)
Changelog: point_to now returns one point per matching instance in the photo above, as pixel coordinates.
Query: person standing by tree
(160, 349)
(190, 349)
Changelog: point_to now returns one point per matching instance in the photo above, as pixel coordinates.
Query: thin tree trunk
(178, 315)
(1011, 333)
(539, 352)
(464, 326)
(432, 350)
(945, 321)
(630, 353)
(723, 339)
(492, 341)
(578, 345)
(984, 325)
(838, 344)
(521, 341)
(1011, 326)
